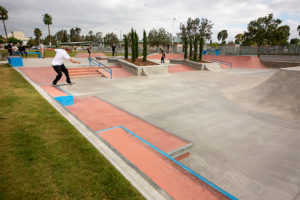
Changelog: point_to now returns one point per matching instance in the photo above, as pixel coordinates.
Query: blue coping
(38, 53)
(15, 61)
(175, 161)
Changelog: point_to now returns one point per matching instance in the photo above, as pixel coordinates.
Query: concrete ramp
(279, 95)
(158, 70)
(238, 61)
(214, 67)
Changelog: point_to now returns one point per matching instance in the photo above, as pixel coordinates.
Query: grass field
(43, 156)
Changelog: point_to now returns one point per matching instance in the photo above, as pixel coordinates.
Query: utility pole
(172, 33)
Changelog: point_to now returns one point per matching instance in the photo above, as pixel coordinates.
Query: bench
(37, 52)
(15, 61)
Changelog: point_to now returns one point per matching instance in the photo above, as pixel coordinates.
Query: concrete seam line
(146, 189)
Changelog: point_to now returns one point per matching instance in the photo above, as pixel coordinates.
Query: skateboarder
(89, 49)
(58, 65)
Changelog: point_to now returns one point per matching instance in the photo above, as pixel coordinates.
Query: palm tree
(38, 34)
(3, 17)
(298, 29)
(48, 21)
(222, 35)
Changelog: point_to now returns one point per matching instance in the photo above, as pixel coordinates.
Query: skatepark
(212, 134)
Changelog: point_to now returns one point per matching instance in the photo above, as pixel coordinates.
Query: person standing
(42, 48)
(163, 55)
(89, 50)
(15, 50)
(113, 48)
(58, 65)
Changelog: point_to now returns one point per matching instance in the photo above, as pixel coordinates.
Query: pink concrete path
(86, 55)
(41, 75)
(179, 68)
(99, 115)
(173, 179)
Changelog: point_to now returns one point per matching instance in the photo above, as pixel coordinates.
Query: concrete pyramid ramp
(279, 95)
(214, 67)
(159, 70)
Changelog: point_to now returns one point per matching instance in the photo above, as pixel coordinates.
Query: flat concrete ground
(250, 154)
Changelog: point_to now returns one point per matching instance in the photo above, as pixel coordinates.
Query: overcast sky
(121, 15)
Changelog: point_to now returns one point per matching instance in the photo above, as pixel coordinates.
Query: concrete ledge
(192, 64)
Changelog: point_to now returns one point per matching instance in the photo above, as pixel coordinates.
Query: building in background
(19, 35)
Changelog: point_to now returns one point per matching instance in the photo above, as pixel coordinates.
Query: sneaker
(72, 83)
(54, 85)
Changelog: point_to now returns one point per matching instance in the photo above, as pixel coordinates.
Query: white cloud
(116, 15)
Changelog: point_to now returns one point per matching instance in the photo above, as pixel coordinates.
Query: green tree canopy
(238, 38)
(75, 35)
(3, 17)
(262, 31)
(295, 41)
(159, 37)
(37, 33)
(281, 35)
(222, 35)
(110, 39)
(62, 36)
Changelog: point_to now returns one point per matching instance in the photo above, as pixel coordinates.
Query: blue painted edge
(175, 161)
(65, 100)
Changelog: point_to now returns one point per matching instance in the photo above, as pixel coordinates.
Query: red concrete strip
(100, 115)
(53, 91)
(168, 56)
(41, 75)
(179, 68)
(173, 179)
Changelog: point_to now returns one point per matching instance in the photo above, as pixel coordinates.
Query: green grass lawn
(42, 156)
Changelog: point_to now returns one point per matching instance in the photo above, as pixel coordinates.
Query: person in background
(113, 48)
(42, 48)
(89, 50)
(9, 49)
(15, 50)
(163, 55)
(22, 50)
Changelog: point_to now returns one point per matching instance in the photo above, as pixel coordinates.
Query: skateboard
(58, 85)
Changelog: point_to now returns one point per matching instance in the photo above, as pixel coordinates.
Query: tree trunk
(5, 28)
(258, 51)
(49, 35)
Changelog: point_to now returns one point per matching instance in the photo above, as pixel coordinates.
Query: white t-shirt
(60, 56)
(41, 46)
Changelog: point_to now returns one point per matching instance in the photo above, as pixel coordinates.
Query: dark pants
(23, 52)
(59, 69)
(162, 60)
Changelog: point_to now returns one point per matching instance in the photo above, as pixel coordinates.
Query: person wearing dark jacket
(22, 50)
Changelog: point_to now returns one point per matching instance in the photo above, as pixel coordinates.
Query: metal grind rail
(222, 62)
(102, 66)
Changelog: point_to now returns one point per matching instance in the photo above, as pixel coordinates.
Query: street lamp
(172, 32)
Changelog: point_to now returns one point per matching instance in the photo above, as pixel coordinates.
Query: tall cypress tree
(133, 57)
(185, 47)
(201, 47)
(126, 46)
(136, 45)
(145, 47)
(191, 47)
(195, 47)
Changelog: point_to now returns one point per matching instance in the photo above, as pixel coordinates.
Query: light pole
(172, 32)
